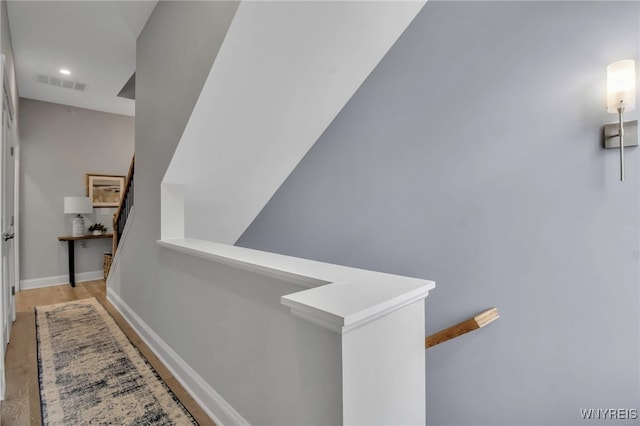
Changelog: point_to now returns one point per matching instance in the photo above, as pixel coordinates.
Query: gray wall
(472, 156)
(59, 145)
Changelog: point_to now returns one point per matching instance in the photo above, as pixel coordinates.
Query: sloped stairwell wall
(284, 72)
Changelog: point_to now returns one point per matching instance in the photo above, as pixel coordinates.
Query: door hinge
(13, 290)
(12, 221)
(12, 151)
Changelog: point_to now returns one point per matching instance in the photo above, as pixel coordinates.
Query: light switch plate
(611, 139)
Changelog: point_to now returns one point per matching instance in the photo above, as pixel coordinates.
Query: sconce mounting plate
(611, 139)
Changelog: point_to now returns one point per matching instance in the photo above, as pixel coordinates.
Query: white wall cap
(342, 307)
(338, 297)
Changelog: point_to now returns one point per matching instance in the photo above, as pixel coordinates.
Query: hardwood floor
(21, 406)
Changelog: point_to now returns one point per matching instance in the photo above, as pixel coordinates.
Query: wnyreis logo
(609, 413)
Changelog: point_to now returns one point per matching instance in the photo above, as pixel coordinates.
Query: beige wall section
(7, 50)
(59, 144)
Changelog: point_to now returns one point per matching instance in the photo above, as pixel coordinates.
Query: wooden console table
(71, 241)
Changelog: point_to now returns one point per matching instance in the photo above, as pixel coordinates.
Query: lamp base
(78, 226)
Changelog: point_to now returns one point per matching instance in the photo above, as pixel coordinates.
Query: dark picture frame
(105, 190)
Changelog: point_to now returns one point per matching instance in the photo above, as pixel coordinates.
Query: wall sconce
(621, 97)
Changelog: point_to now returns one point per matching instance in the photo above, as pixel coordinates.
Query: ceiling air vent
(60, 82)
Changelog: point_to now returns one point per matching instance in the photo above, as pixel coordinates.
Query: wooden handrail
(479, 321)
(118, 213)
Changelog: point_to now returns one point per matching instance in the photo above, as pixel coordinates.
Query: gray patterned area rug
(90, 373)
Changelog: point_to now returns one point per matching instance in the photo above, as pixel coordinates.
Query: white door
(7, 219)
(7, 202)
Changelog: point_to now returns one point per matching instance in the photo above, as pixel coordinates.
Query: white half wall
(368, 370)
(283, 73)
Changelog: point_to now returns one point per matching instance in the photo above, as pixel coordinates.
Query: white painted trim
(211, 402)
(16, 208)
(241, 258)
(60, 279)
(342, 325)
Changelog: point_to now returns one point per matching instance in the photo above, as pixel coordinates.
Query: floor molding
(211, 402)
(60, 279)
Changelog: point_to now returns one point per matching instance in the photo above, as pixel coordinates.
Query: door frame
(7, 96)
(7, 206)
(16, 210)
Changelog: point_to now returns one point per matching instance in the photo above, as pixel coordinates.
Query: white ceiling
(95, 40)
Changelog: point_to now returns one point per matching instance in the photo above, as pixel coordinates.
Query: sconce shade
(77, 205)
(621, 85)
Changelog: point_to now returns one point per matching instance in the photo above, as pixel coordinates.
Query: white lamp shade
(621, 85)
(77, 205)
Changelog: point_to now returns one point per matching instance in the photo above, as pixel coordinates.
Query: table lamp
(77, 206)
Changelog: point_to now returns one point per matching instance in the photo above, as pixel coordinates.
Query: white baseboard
(60, 279)
(211, 402)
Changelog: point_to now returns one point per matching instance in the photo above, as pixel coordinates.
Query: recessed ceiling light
(64, 71)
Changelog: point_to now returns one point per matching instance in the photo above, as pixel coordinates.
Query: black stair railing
(122, 213)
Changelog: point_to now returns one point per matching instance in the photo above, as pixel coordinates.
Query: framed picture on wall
(105, 190)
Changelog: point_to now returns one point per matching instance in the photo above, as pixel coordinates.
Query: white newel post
(361, 353)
